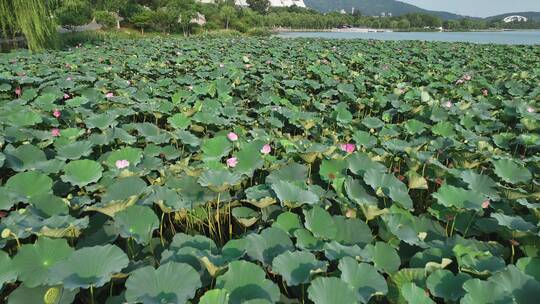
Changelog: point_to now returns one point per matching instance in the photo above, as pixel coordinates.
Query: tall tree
(32, 18)
(260, 6)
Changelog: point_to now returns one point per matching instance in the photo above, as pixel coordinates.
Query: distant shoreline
(372, 30)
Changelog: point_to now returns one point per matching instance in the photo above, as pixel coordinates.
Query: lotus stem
(92, 294)
(219, 217)
(161, 229)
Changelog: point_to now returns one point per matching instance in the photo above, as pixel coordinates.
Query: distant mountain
(375, 7)
(535, 16)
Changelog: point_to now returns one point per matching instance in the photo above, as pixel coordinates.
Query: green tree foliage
(105, 18)
(260, 6)
(74, 13)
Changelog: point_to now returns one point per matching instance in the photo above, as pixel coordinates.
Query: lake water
(510, 37)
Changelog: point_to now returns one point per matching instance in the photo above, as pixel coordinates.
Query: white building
(515, 18)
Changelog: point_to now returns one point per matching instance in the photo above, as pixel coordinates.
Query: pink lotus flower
(66, 96)
(349, 148)
(232, 136)
(232, 162)
(467, 77)
(485, 204)
(109, 95)
(447, 104)
(56, 113)
(269, 62)
(18, 92)
(248, 65)
(530, 109)
(55, 132)
(68, 79)
(266, 149)
(460, 81)
(485, 92)
(122, 163)
(401, 90)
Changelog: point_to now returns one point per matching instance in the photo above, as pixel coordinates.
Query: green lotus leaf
(360, 163)
(321, 223)
(296, 267)
(332, 169)
(364, 139)
(516, 284)
(352, 231)
(385, 257)
(479, 291)
(7, 271)
(245, 216)
(33, 261)
(330, 291)
(511, 172)
(516, 223)
(24, 157)
(246, 281)
(170, 283)
(124, 188)
(179, 121)
(89, 266)
(21, 117)
(444, 129)
(414, 126)
(415, 294)
(6, 199)
(271, 242)
(363, 277)
(219, 180)
(288, 222)
(390, 186)
(249, 159)
(215, 148)
(372, 122)
(530, 266)
(335, 251)
(342, 113)
(100, 121)
(29, 184)
(42, 294)
(82, 172)
(450, 196)
(480, 183)
(305, 240)
(132, 155)
(215, 296)
(74, 150)
(292, 172)
(49, 204)
(444, 284)
(137, 222)
(357, 193)
(291, 195)
(181, 240)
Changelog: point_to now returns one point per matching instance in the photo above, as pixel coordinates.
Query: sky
(478, 8)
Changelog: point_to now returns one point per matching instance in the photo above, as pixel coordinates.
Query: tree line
(37, 19)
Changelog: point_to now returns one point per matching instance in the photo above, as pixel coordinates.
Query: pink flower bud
(266, 149)
(232, 162)
(56, 113)
(122, 163)
(232, 136)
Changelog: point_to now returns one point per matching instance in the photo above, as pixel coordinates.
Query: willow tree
(32, 18)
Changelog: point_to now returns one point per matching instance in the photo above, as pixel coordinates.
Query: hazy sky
(478, 8)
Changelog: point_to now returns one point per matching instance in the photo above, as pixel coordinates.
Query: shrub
(74, 13)
(105, 18)
(259, 32)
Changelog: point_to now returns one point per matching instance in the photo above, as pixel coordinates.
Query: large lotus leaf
(42, 294)
(305, 240)
(444, 284)
(74, 150)
(514, 222)
(363, 277)
(215, 296)
(480, 183)
(372, 122)
(271, 242)
(357, 193)
(360, 163)
(215, 148)
(511, 172)
(288, 222)
(49, 204)
(479, 291)
(124, 188)
(246, 281)
(82, 172)
(330, 291)
(530, 266)
(352, 231)
(181, 240)
(89, 266)
(170, 283)
(384, 256)
(249, 159)
(517, 284)
(247, 217)
(390, 185)
(219, 180)
(414, 294)
(332, 169)
(321, 223)
(292, 172)
(342, 113)
(137, 222)
(292, 195)
(450, 196)
(33, 261)
(29, 184)
(100, 121)
(296, 267)
(20, 117)
(7, 272)
(6, 199)
(335, 251)
(132, 155)
(24, 157)
(179, 121)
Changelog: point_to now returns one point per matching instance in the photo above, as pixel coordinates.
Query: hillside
(374, 7)
(535, 16)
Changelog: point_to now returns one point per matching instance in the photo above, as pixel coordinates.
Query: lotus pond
(270, 171)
